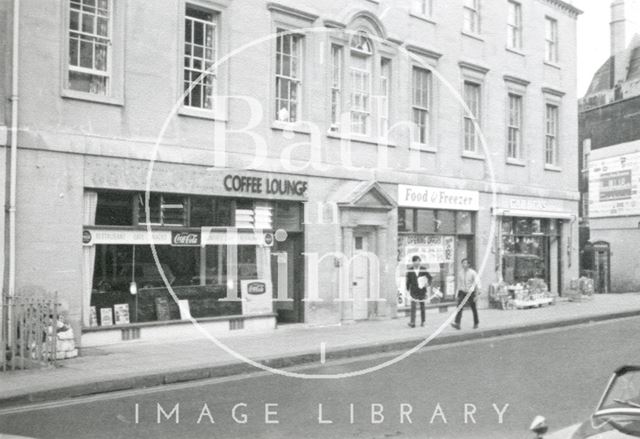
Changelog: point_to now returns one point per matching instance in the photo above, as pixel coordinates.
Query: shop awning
(561, 215)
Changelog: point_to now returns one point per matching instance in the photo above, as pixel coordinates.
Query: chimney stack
(624, 25)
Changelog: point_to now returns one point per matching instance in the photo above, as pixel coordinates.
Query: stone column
(344, 284)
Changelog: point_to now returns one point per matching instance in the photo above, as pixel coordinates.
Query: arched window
(361, 72)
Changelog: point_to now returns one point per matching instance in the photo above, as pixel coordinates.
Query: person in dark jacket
(418, 279)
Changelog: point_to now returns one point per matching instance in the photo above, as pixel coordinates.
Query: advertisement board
(614, 186)
(256, 297)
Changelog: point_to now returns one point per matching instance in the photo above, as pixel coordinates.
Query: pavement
(140, 364)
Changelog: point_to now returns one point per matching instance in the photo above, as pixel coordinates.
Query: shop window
(201, 212)
(528, 246)
(288, 216)
(209, 212)
(114, 209)
(164, 210)
(464, 223)
(195, 275)
(446, 222)
(425, 221)
(406, 220)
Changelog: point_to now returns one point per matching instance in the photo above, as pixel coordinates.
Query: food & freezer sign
(437, 198)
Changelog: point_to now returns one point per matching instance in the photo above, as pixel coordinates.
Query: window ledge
(472, 155)
(423, 147)
(515, 51)
(515, 162)
(426, 18)
(552, 168)
(295, 127)
(472, 35)
(200, 113)
(553, 65)
(360, 138)
(89, 97)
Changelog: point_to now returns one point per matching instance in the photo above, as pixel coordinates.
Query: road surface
(481, 389)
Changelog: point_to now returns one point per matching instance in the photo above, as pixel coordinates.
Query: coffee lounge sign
(438, 198)
(264, 186)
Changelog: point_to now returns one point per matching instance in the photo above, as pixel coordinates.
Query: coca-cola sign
(256, 288)
(185, 239)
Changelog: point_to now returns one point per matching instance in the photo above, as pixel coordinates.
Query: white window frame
(468, 120)
(385, 93)
(514, 29)
(551, 40)
(203, 71)
(295, 80)
(472, 25)
(106, 74)
(361, 112)
(514, 125)
(422, 133)
(552, 134)
(336, 85)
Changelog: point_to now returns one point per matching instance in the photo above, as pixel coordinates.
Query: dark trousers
(472, 303)
(414, 303)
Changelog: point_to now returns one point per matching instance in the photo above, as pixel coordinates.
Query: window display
(442, 238)
(527, 244)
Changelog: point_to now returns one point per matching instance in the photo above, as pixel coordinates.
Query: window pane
(200, 56)
(405, 220)
(425, 221)
(114, 209)
(464, 223)
(446, 222)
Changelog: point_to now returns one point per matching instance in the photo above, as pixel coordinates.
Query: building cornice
(294, 12)
(475, 67)
(568, 8)
(419, 50)
(334, 24)
(516, 80)
(553, 91)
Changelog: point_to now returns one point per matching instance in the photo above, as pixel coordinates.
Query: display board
(614, 186)
(257, 297)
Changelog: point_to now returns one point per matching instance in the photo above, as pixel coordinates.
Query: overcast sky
(593, 39)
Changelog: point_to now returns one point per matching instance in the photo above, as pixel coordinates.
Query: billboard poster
(614, 186)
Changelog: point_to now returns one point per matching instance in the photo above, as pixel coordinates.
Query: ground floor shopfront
(223, 244)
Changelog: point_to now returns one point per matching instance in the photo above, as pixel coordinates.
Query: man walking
(468, 284)
(417, 281)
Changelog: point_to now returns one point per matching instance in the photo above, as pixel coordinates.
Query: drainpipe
(14, 148)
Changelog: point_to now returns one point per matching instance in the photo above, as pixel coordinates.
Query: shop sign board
(614, 186)
(264, 186)
(93, 237)
(438, 198)
(256, 297)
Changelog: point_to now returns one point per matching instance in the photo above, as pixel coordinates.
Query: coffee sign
(264, 186)
(185, 239)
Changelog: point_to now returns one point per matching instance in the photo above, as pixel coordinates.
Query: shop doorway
(596, 265)
(360, 273)
(287, 276)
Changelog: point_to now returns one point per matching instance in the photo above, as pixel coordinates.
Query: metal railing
(28, 332)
